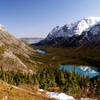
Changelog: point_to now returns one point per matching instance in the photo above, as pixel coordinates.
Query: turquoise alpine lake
(81, 70)
(34, 42)
(40, 51)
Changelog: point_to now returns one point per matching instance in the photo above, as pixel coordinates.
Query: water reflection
(81, 70)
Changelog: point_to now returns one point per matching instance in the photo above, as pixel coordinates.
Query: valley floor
(88, 56)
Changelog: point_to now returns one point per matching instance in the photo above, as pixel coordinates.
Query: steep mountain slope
(12, 43)
(14, 54)
(76, 34)
(92, 35)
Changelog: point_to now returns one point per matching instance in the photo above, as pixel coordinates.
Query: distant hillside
(30, 40)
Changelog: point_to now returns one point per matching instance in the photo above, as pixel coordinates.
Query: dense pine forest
(53, 79)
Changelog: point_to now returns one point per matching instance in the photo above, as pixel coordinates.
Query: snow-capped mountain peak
(73, 29)
(85, 32)
(84, 24)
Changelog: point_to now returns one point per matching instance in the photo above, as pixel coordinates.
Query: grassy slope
(14, 93)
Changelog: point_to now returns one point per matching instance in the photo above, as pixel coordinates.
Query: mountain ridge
(75, 34)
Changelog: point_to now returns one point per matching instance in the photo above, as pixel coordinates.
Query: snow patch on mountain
(59, 96)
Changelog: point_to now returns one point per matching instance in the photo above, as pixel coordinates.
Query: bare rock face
(12, 61)
(14, 53)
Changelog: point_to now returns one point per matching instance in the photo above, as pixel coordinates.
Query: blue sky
(35, 18)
